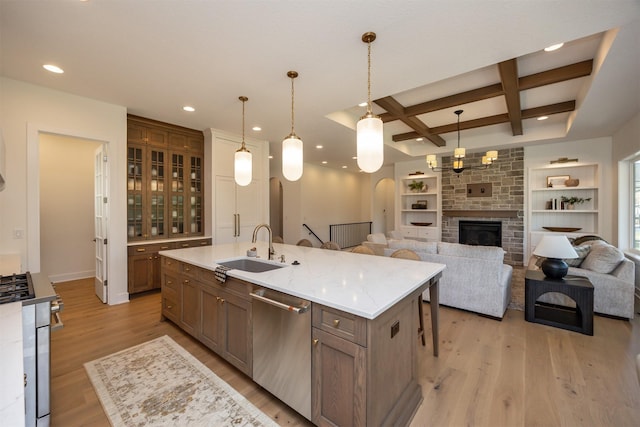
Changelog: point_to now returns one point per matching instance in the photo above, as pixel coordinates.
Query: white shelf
(586, 216)
(405, 198)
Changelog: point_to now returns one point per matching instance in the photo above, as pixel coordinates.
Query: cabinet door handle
(238, 219)
(150, 257)
(169, 307)
(186, 281)
(315, 341)
(140, 250)
(169, 282)
(336, 322)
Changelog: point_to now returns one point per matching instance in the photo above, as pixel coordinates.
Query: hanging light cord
(243, 99)
(369, 78)
(292, 97)
(459, 130)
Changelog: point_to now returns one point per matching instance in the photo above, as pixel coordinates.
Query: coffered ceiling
(430, 58)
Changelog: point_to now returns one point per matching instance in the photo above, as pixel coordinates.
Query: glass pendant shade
(242, 167)
(492, 155)
(370, 144)
(459, 153)
(432, 162)
(292, 156)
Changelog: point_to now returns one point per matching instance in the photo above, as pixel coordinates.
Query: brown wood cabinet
(362, 373)
(165, 180)
(143, 263)
(217, 314)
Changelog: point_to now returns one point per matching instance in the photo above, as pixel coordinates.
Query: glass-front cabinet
(164, 181)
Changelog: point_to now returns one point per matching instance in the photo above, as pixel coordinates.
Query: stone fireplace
(501, 202)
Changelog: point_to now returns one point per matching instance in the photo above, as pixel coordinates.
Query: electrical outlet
(18, 233)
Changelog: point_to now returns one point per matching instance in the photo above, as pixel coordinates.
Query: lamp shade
(292, 158)
(242, 167)
(555, 249)
(370, 144)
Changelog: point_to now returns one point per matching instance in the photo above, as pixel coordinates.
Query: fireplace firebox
(481, 233)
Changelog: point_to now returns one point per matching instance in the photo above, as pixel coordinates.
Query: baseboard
(66, 277)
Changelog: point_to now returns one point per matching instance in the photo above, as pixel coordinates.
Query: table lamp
(555, 249)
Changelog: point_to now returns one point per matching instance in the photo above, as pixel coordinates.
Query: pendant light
(369, 137)
(242, 164)
(292, 145)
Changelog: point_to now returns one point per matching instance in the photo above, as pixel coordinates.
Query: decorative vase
(572, 182)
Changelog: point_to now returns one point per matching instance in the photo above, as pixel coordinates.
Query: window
(636, 205)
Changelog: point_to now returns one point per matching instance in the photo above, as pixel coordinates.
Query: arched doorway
(384, 206)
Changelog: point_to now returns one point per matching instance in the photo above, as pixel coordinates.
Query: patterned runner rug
(158, 383)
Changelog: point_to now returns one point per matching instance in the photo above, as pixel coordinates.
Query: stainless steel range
(40, 314)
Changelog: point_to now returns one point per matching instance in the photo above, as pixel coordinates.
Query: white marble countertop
(364, 285)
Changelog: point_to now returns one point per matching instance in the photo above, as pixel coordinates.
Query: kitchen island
(363, 338)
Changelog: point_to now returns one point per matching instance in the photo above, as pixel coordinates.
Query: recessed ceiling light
(355, 158)
(188, 108)
(270, 156)
(53, 68)
(419, 139)
(257, 128)
(543, 117)
(319, 147)
(344, 167)
(362, 104)
(553, 47)
(324, 162)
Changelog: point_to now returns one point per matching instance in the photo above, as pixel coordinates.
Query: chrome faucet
(255, 237)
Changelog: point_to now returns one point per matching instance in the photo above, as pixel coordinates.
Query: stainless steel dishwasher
(282, 347)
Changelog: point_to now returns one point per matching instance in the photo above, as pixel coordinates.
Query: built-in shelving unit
(545, 208)
(419, 208)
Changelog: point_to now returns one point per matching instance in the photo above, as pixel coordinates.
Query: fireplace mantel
(481, 213)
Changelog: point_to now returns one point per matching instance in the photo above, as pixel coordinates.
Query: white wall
(597, 150)
(626, 144)
(26, 111)
(323, 196)
(67, 250)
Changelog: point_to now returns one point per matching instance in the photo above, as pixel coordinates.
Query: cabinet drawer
(145, 249)
(170, 308)
(410, 232)
(170, 264)
(429, 233)
(344, 325)
(170, 284)
(188, 270)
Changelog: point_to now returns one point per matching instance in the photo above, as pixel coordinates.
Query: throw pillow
(582, 251)
(580, 240)
(603, 258)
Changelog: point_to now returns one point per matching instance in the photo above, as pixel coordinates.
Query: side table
(580, 289)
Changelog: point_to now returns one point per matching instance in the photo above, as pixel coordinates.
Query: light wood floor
(489, 373)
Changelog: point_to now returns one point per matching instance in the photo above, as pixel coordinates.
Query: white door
(100, 223)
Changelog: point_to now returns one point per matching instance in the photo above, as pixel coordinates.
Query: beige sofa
(611, 274)
(476, 278)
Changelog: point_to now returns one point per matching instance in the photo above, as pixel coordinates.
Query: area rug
(158, 383)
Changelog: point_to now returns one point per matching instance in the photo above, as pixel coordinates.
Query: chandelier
(459, 153)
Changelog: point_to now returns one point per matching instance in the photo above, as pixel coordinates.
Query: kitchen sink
(250, 265)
